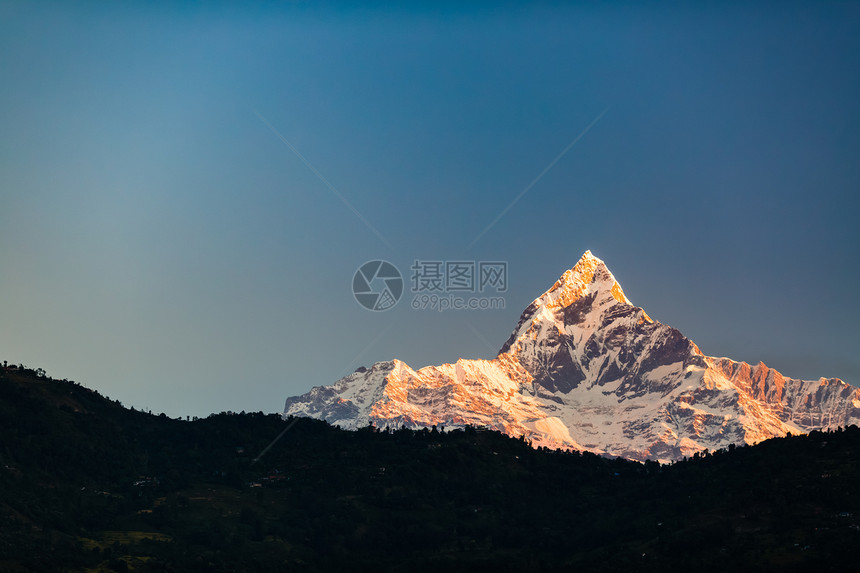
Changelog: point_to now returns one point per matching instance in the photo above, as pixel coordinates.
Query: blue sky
(160, 243)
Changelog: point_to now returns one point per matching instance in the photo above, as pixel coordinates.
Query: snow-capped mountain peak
(586, 369)
(589, 276)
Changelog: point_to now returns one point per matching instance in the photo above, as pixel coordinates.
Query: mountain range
(585, 369)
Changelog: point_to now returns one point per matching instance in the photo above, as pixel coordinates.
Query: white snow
(685, 406)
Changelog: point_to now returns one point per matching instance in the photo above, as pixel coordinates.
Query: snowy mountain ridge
(586, 369)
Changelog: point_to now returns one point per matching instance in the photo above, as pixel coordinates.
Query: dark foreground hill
(86, 484)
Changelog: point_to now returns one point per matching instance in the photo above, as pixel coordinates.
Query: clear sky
(162, 243)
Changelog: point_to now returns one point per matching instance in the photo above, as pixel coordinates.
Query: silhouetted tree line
(75, 465)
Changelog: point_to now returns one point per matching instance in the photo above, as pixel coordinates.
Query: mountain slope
(586, 369)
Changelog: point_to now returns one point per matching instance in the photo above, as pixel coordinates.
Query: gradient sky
(161, 244)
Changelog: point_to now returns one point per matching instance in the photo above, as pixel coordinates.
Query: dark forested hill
(86, 484)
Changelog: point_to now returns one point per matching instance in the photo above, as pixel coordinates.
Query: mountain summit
(586, 369)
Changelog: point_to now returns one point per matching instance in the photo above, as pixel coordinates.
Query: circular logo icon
(377, 285)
